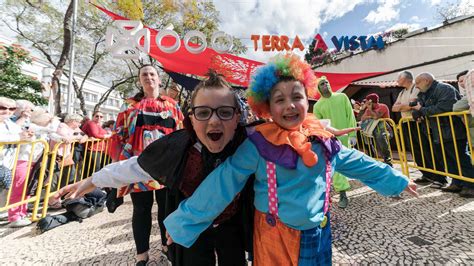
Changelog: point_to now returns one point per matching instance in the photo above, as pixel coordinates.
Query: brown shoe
(452, 188)
(467, 192)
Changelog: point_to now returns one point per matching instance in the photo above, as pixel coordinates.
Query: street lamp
(69, 105)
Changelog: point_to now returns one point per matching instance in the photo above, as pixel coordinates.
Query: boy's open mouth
(215, 136)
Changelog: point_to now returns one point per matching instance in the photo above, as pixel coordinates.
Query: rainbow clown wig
(280, 67)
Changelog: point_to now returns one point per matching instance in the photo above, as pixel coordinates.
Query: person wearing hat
(382, 133)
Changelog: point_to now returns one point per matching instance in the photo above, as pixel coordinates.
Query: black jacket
(438, 99)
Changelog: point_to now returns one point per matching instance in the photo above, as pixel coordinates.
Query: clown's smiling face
(289, 104)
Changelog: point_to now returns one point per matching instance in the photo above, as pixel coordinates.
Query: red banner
(236, 69)
(341, 80)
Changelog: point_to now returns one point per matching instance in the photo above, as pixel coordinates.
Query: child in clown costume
(293, 159)
(337, 108)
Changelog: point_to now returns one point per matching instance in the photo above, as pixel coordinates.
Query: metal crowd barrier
(403, 144)
(427, 144)
(66, 163)
(85, 161)
(367, 142)
(37, 153)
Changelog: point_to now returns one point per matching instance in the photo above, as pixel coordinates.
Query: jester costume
(338, 109)
(137, 126)
(292, 171)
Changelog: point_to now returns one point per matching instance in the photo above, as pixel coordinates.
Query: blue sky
(353, 22)
(242, 18)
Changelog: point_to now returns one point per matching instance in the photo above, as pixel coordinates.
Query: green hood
(323, 78)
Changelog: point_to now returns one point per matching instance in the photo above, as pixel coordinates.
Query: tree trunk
(58, 72)
(97, 57)
(56, 90)
(80, 96)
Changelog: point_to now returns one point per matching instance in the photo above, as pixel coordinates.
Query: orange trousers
(274, 245)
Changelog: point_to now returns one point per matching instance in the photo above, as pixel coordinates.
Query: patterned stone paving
(436, 228)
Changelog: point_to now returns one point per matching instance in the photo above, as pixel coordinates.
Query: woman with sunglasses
(10, 131)
(212, 133)
(95, 149)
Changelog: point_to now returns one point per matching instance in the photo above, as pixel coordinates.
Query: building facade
(444, 51)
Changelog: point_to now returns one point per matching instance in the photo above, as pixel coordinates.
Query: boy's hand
(76, 190)
(169, 240)
(411, 189)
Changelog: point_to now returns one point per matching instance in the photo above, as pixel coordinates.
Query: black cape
(165, 160)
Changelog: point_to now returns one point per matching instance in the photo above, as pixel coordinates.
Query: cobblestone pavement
(435, 228)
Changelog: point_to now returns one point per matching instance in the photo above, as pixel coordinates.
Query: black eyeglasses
(3, 108)
(204, 113)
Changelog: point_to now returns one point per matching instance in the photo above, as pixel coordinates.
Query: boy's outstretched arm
(114, 175)
(378, 176)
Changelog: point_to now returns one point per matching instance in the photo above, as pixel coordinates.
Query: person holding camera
(404, 104)
(382, 132)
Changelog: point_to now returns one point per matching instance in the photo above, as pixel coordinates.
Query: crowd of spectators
(421, 98)
(21, 120)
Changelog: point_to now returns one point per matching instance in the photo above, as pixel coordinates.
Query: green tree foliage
(318, 57)
(46, 26)
(310, 54)
(13, 83)
(399, 32)
(183, 15)
(133, 9)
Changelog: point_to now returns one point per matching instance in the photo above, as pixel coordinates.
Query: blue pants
(315, 246)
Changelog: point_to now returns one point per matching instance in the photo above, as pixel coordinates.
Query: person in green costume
(338, 109)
